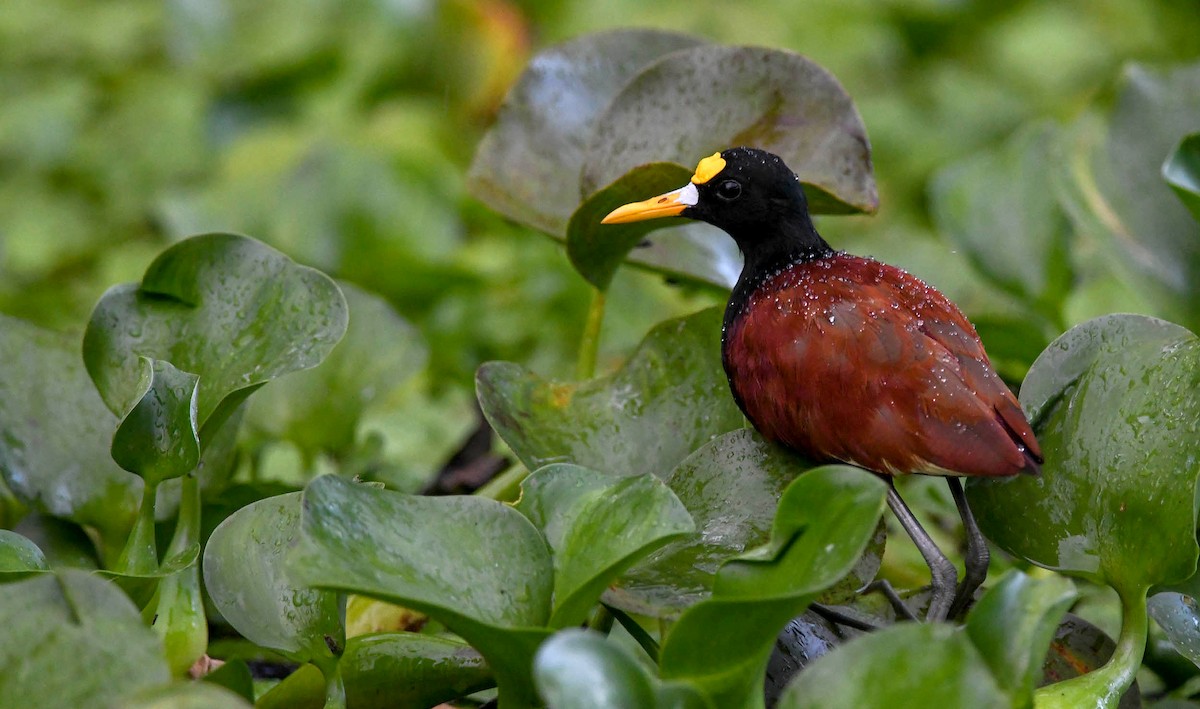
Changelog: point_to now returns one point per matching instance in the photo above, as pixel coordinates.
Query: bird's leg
(977, 558)
(943, 576)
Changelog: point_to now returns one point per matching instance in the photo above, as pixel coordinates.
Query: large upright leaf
(55, 434)
(999, 206)
(825, 519)
(74, 639)
(527, 167)
(475, 564)
(319, 409)
(1116, 406)
(669, 399)
(597, 524)
(694, 102)
(227, 308)
(250, 585)
(1117, 186)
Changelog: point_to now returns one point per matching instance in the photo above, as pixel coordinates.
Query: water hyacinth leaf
(824, 521)
(250, 585)
(909, 664)
(64, 544)
(54, 454)
(388, 670)
(1116, 406)
(595, 249)
(1116, 187)
(694, 102)
(159, 438)
(581, 669)
(999, 206)
(669, 398)
(1179, 618)
(319, 409)
(731, 488)
(74, 639)
(1013, 624)
(227, 308)
(1182, 172)
(19, 556)
(597, 524)
(527, 166)
(477, 565)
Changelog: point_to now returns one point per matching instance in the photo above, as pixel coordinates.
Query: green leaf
(54, 449)
(825, 519)
(19, 556)
(597, 524)
(909, 664)
(696, 101)
(227, 308)
(999, 206)
(477, 565)
(1115, 403)
(64, 544)
(1182, 172)
(596, 250)
(389, 670)
(1179, 618)
(1116, 188)
(159, 438)
(731, 487)
(319, 409)
(252, 588)
(580, 669)
(669, 399)
(74, 639)
(527, 167)
(235, 676)
(1012, 626)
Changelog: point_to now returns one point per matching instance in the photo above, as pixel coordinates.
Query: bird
(845, 358)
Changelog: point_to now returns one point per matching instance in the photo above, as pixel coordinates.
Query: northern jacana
(844, 358)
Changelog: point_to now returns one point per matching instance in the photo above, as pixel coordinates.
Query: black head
(750, 194)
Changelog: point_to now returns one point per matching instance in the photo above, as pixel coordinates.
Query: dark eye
(729, 190)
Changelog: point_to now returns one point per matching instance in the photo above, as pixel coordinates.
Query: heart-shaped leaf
(597, 524)
(475, 564)
(527, 167)
(252, 588)
(1117, 189)
(186, 695)
(824, 521)
(731, 487)
(670, 398)
(389, 670)
(909, 664)
(1116, 406)
(319, 409)
(54, 452)
(1182, 172)
(696, 101)
(74, 639)
(19, 556)
(580, 669)
(1012, 626)
(999, 206)
(227, 308)
(159, 439)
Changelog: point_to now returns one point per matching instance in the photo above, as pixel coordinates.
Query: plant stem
(180, 619)
(140, 555)
(590, 344)
(506, 486)
(335, 687)
(1102, 688)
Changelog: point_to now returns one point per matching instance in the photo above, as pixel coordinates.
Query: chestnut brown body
(849, 359)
